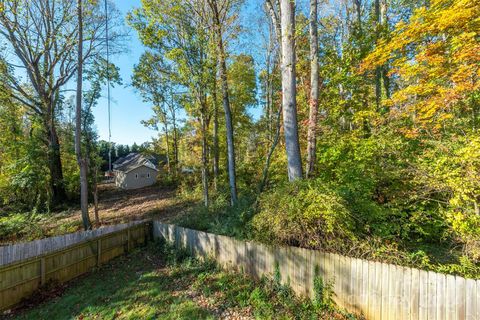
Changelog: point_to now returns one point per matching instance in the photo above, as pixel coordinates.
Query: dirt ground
(115, 206)
(120, 206)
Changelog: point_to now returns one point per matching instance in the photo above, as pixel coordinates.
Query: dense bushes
(306, 214)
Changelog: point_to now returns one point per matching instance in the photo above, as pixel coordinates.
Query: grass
(161, 283)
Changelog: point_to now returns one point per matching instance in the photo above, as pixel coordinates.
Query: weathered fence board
(376, 290)
(54, 263)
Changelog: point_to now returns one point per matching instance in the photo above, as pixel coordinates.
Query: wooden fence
(22, 251)
(376, 290)
(59, 259)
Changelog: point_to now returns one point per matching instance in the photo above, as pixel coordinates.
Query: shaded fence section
(22, 251)
(377, 290)
(59, 259)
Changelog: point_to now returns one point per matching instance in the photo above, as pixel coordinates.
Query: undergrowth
(316, 215)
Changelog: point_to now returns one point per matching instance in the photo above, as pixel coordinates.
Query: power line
(108, 91)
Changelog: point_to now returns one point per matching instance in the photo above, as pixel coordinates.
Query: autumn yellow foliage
(436, 55)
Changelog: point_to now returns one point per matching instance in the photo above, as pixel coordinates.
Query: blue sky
(127, 107)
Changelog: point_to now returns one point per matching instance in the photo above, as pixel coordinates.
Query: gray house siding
(142, 176)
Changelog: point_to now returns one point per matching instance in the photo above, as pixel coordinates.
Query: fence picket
(460, 297)
(450, 298)
(385, 290)
(432, 295)
(441, 297)
(365, 283)
(477, 300)
(414, 297)
(470, 299)
(406, 284)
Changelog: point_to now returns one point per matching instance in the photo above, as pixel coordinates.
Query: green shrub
(220, 217)
(305, 213)
(19, 226)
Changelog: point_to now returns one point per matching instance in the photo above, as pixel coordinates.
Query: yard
(161, 283)
(115, 206)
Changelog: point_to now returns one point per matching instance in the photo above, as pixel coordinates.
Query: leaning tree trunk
(78, 125)
(290, 125)
(312, 119)
(226, 105)
(275, 141)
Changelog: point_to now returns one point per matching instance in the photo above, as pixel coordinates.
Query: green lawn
(159, 283)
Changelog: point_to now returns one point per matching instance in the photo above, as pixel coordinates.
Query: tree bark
(275, 20)
(167, 145)
(290, 125)
(226, 104)
(55, 164)
(378, 70)
(358, 9)
(175, 141)
(385, 67)
(312, 118)
(204, 155)
(78, 125)
(216, 151)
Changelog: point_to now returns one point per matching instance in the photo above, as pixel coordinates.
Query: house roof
(122, 160)
(133, 161)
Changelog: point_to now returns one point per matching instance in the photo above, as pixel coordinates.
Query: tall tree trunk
(94, 175)
(358, 9)
(167, 145)
(175, 142)
(216, 150)
(226, 104)
(378, 70)
(289, 103)
(269, 83)
(78, 125)
(312, 118)
(385, 68)
(204, 156)
(95, 196)
(55, 164)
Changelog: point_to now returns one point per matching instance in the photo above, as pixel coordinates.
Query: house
(134, 171)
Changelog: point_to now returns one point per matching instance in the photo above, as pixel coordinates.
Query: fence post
(99, 252)
(43, 273)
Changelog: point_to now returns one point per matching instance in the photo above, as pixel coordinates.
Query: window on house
(136, 175)
(148, 175)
